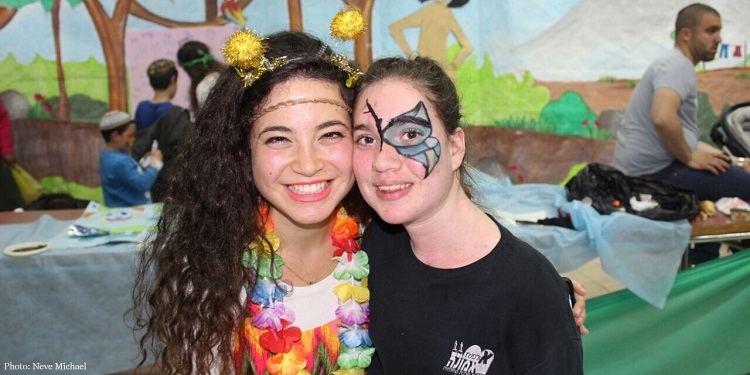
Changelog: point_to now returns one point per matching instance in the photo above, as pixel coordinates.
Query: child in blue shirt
(162, 76)
(124, 182)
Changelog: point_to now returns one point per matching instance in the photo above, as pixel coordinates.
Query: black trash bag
(610, 190)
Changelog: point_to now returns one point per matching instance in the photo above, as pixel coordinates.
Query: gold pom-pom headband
(245, 50)
(348, 24)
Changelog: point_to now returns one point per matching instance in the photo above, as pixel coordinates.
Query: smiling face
(404, 161)
(302, 151)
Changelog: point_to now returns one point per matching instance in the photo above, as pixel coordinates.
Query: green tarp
(703, 329)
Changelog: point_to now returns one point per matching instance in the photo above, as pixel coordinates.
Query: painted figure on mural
(436, 23)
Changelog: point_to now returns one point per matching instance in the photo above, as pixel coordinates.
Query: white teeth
(393, 187)
(308, 189)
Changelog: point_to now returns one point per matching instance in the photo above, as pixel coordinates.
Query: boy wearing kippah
(124, 182)
(162, 76)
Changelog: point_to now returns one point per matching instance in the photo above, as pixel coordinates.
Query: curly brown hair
(190, 275)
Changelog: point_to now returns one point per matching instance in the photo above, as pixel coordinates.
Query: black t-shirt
(507, 313)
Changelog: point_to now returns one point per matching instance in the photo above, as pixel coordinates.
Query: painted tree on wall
(111, 32)
(363, 44)
(53, 7)
(295, 14)
(63, 104)
(6, 14)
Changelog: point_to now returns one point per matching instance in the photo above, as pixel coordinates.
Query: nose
(309, 161)
(387, 158)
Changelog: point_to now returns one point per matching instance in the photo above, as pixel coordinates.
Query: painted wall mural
(558, 66)
(73, 59)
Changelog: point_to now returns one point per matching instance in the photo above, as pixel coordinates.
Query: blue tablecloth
(65, 305)
(642, 254)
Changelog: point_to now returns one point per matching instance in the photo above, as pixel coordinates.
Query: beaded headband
(245, 50)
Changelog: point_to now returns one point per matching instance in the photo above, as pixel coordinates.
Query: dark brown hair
(119, 130)
(160, 73)
(197, 60)
(190, 274)
(690, 16)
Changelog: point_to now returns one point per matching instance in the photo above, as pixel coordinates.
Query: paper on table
(123, 224)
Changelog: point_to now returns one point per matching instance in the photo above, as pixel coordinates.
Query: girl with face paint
(452, 290)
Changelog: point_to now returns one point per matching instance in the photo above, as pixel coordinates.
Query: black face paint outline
(425, 150)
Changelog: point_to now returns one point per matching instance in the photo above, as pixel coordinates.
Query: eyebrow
(331, 123)
(361, 127)
(286, 129)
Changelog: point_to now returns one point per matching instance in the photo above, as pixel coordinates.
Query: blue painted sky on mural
(526, 19)
(556, 40)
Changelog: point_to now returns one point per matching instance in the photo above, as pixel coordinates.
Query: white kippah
(113, 119)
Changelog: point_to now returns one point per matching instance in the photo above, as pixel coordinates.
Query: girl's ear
(458, 147)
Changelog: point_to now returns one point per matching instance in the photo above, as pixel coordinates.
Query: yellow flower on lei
(348, 290)
(349, 371)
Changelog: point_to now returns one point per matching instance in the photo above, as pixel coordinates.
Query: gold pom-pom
(348, 24)
(244, 49)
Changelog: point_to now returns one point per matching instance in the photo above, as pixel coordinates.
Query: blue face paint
(410, 133)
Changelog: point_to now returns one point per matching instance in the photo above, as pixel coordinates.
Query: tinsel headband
(245, 50)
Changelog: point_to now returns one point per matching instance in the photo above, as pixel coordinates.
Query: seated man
(659, 137)
(124, 182)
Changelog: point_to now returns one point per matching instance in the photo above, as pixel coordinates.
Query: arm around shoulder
(544, 320)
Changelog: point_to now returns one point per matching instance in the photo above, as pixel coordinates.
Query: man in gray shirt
(659, 137)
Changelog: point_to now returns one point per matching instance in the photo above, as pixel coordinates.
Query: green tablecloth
(704, 327)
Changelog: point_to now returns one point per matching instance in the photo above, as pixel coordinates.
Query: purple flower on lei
(351, 312)
(271, 316)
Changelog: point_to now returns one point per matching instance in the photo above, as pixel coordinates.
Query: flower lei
(279, 337)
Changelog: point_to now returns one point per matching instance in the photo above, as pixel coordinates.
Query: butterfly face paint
(410, 133)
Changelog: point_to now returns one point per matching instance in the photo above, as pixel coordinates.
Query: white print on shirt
(472, 361)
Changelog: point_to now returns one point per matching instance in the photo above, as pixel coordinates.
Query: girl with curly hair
(255, 265)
